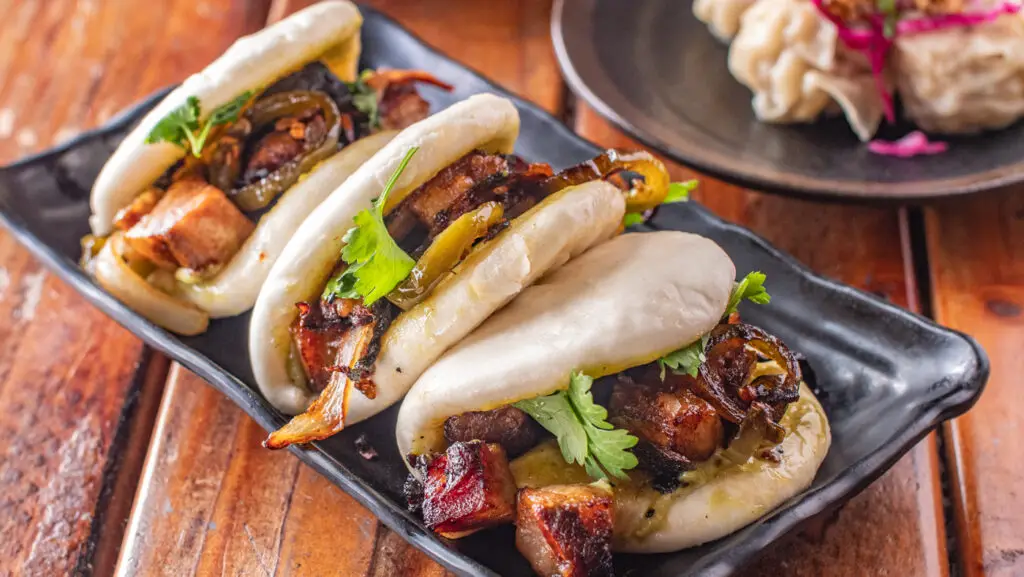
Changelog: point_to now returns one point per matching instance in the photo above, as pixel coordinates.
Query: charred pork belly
(566, 530)
(520, 187)
(468, 488)
(667, 415)
(401, 106)
(507, 426)
(453, 182)
(140, 206)
(321, 331)
(400, 103)
(193, 226)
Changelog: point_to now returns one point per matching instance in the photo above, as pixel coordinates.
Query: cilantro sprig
(183, 128)
(677, 192)
(584, 434)
(751, 288)
(687, 360)
(376, 264)
(364, 98)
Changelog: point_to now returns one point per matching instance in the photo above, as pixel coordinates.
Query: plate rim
(808, 188)
(963, 392)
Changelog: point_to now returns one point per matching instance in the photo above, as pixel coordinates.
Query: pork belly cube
(566, 530)
(193, 226)
(507, 426)
(140, 206)
(667, 415)
(468, 488)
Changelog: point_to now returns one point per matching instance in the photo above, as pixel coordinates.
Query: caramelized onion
(326, 415)
(729, 379)
(119, 279)
(756, 431)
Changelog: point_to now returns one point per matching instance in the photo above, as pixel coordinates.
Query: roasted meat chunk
(321, 330)
(566, 530)
(193, 226)
(468, 488)
(507, 426)
(453, 182)
(401, 106)
(667, 415)
(140, 206)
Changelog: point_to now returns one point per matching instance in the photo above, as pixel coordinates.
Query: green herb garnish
(580, 425)
(890, 13)
(750, 288)
(183, 128)
(685, 361)
(376, 264)
(677, 192)
(364, 98)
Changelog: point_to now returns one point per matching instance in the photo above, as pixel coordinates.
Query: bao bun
(328, 32)
(548, 235)
(622, 304)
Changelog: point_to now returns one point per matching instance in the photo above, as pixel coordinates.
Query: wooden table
(115, 459)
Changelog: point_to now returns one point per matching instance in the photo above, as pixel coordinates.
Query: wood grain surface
(75, 402)
(976, 251)
(80, 395)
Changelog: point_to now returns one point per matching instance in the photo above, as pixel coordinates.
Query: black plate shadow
(886, 377)
(657, 72)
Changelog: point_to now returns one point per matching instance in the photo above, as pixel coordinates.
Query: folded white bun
(622, 304)
(557, 229)
(328, 31)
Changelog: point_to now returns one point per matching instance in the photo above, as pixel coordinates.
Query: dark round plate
(654, 70)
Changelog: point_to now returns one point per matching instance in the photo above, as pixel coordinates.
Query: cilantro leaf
(677, 192)
(364, 98)
(680, 191)
(376, 264)
(685, 361)
(750, 288)
(555, 414)
(632, 218)
(181, 125)
(581, 427)
(579, 394)
(177, 127)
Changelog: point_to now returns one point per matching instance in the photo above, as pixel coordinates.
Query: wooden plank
(976, 253)
(895, 526)
(75, 412)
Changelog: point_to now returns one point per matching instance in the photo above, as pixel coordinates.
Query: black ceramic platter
(885, 376)
(657, 72)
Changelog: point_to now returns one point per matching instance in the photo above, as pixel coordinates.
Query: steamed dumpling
(966, 79)
(721, 16)
(792, 60)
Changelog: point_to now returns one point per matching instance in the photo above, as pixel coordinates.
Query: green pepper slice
(268, 110)
(444, 253)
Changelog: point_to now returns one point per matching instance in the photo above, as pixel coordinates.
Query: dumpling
(966, 79)
(792, 60)
(721, 16)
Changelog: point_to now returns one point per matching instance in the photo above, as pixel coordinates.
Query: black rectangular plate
(885, 376)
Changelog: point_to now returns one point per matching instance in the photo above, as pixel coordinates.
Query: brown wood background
(114, 461)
